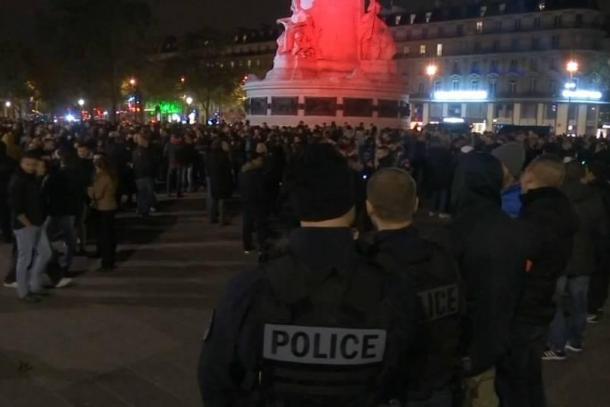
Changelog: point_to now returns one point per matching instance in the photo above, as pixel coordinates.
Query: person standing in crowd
(597, 178)
(438, 174)
(144, 170)
(62, 194)
(568, 326)
(492, 251)
(174, 154)
(391, 202)
(28, 218)
(221, 182)
(550, 223)
(7, 167)
(86, 170)
(103, 197)
(254, 202)
(321, 289)
(512, 157)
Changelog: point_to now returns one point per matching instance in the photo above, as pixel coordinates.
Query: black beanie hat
(321, 184)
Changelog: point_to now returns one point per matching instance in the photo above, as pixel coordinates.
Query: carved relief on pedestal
(299, 36)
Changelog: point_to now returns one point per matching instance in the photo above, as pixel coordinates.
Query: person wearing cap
(512, 156)
(318, 325)
(431, 270)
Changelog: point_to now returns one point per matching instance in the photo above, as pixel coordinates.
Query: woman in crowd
(103, 198)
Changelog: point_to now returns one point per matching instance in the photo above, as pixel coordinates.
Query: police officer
(391, 203)
(318, 326)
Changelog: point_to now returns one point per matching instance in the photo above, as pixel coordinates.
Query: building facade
(536, 63)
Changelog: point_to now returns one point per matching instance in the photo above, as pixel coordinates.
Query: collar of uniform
(404, 244)
(324, 249)
(410, 232)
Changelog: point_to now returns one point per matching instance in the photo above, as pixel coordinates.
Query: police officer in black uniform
(318, 326)
(391, 203)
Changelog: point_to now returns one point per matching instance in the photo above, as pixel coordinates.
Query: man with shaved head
(391, 204)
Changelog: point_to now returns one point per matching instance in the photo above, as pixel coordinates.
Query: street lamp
(8, 104)
(189, 100)
(572, 67)
(133, 81)
(81, 102)
(431, 70)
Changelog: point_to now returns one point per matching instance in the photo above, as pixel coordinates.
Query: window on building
(406, 50)
(455, 84)
(535, 43)
(474, 84)
(456, 69)
(422, 49)
(412, 18)
(529, 111)
(515, 44)
(460, 29)
(493, 87)
(477, 47)
(578, 20)
(493, 66)
(483, 11)
(555, 42)
(557, 22)
(249, 64)
(537, 22)
(439, 50)
(495, 46)
(438, 85)
(533, 85)
(479, 27)
(397, 20)
(514, 65)
(533, 65)
(475, 68)
(502, 7)
(512, 87)
(420, 89)
(428, 17)
(517, 25)
(541, 5)
(424, 33)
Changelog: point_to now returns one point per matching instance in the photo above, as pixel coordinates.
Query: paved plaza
(132, 338)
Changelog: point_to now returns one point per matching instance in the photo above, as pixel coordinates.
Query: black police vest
(437, 364)
(325, 344)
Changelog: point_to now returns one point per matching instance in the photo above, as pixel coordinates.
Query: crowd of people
(509, 266)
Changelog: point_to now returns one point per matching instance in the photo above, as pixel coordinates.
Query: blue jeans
(33, 255)
(146, 195)
(571, 317)
(66, 226)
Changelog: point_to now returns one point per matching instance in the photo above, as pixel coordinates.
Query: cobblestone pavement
(132, 338)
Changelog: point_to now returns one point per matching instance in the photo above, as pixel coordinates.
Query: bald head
(392, 196)
(547, 171)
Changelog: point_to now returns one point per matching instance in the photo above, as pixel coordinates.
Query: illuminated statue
(299, 33)
(376, 41)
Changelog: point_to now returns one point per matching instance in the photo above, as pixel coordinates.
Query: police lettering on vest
(440, 302)
(323, 346)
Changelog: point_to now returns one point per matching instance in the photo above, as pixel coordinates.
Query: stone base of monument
(283, 99)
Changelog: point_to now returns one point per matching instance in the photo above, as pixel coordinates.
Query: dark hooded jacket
(551, 223)
(492, 253)
(592, 228)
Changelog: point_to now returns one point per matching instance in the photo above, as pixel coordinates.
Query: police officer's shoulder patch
(210, 328)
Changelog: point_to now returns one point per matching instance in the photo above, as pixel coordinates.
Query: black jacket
(434, 275)
(25, 198)
(551, 222)
(592, 228)
(62, 191)
(492, 252)
(252, 187)
(144, 162)
(219, 172)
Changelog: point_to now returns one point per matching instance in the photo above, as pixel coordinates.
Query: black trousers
(11, 275)
(5, 220)
(598, 288)
(106, 238)
(519, 380)
(254, 221)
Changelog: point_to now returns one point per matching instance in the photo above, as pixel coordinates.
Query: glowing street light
(189, 100)
(8, 104)
(182, 79)
(572, 67)
(431, 70)
(133, 81)
(81, 102)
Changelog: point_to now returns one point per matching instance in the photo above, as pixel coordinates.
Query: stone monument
(334, 62)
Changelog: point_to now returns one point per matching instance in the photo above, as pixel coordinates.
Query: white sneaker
(574, 348)
(64, 282)
(10, 285)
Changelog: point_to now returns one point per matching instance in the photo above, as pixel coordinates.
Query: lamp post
(572, 68)
(7, 105)
(431, 72)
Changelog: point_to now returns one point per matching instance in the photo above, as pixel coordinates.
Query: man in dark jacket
(86, 170)
(144, 167)
(175, 171)
(392, 201)
(568, 327)
(492, 252)
(221, 181)
(62, 195)
(254, 199)
(7, 167)
(28, 218)
(550, 223)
